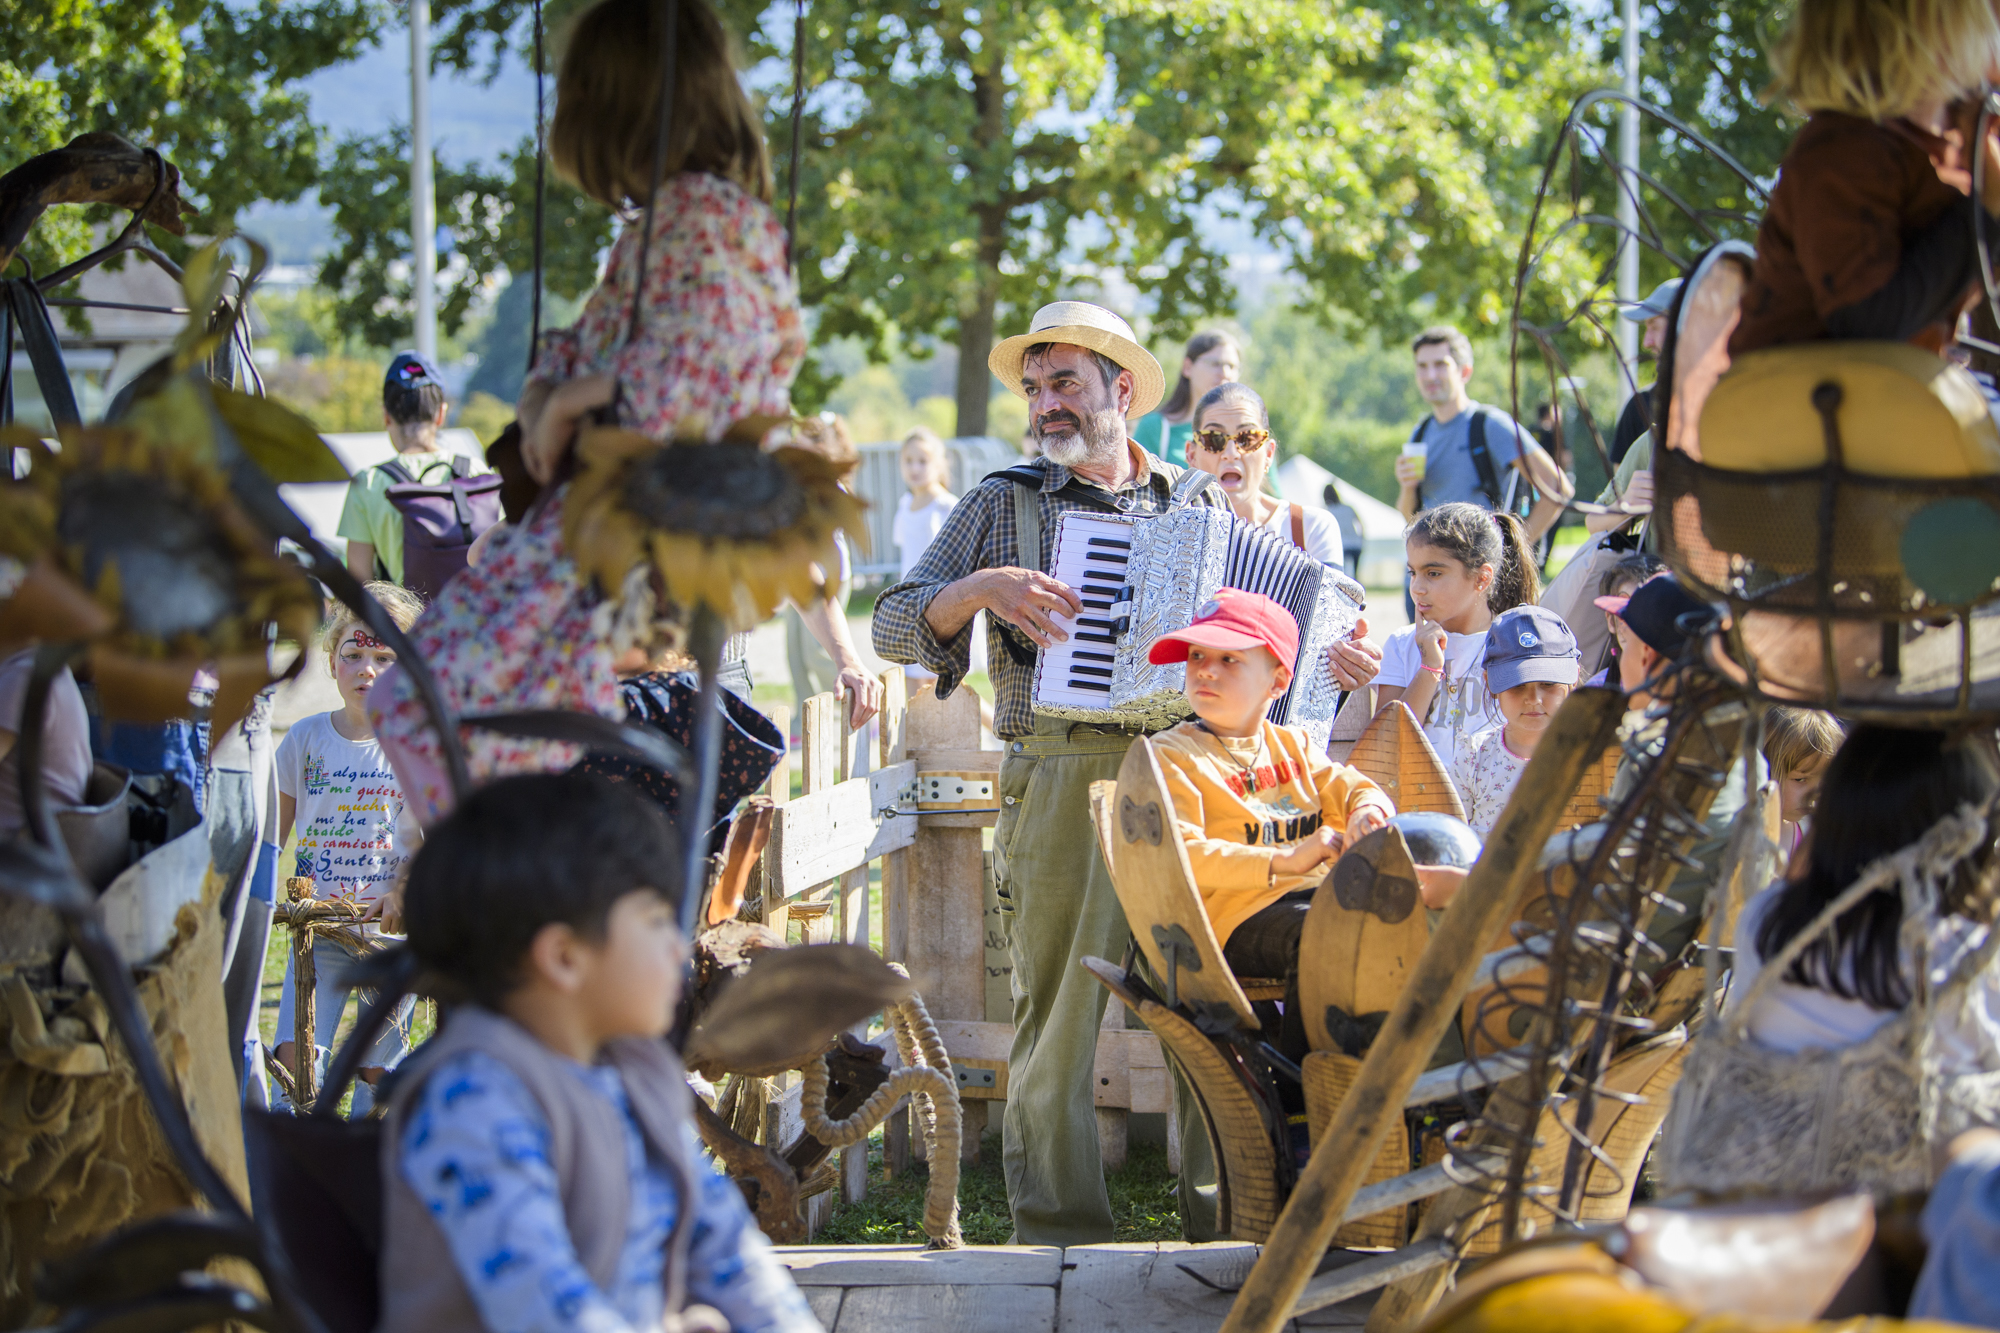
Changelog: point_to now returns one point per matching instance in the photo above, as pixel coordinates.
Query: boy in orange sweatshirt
(1261, 809)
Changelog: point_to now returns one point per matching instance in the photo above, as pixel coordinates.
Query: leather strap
(1298, 525)
(30, 315)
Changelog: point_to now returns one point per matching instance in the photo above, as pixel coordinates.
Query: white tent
(1303, 481)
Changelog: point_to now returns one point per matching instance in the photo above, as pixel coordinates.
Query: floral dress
(720, 339)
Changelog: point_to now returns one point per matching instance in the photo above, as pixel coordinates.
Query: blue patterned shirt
(476, 1150)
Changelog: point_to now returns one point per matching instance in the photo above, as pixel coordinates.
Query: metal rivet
(1010, 800)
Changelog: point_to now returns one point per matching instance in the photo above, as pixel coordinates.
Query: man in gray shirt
(1450, 469)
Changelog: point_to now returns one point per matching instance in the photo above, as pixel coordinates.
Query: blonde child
(1467, 565)
(337, 791)
(1259, 806)
(921, 512)
(539, 1156)
(1798, 745)
(1869, 232)
(1531, 664)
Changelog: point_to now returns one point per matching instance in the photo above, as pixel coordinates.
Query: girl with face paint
(338, 795)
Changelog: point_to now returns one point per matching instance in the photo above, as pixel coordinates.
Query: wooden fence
(914, 825)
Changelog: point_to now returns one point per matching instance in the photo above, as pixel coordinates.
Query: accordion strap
(1298, 525)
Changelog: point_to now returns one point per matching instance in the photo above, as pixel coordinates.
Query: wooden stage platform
(1156, 1287)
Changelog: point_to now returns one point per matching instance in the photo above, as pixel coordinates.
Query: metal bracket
(943, 794)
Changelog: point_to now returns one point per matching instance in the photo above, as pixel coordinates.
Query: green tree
(206, 82)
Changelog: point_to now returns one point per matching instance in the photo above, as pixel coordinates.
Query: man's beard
(1098, 440)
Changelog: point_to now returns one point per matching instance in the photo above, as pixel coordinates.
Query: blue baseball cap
(1529, 644)
(411, 370)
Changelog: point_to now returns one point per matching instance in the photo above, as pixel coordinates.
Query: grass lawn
(1145, 1204)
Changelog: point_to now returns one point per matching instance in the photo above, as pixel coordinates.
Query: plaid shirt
(980, 534)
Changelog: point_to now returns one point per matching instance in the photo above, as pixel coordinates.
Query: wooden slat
(821, 836)
(819, 743)
(946, 899)
(1396, 754)
(914, 1266)
(985, 1309)
(1130, 1070)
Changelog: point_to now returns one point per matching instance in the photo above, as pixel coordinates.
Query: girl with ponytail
(1467, 565)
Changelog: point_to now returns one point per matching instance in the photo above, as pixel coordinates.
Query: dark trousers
(1267, 945)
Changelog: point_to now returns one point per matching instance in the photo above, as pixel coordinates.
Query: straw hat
(1085, 325)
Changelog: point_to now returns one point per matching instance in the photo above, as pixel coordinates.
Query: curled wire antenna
(1579, 177)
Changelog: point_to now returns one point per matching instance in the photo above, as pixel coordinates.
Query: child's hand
(1430, 642)
(548, 431)
(1366, 820)
(1320, 848)
(387, 911)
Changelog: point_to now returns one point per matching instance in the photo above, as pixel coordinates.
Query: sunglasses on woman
(1248, 440)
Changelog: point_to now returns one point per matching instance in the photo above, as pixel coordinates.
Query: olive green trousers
(1057, 895)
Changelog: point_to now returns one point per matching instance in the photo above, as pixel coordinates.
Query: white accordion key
(1091, 554)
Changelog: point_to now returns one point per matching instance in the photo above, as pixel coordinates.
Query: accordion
(1141, 576)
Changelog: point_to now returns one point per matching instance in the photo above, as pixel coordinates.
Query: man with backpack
(1471, 452)
(412, 519)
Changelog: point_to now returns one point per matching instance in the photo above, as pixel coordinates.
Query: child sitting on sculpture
(540, 1159)
(1531, 666)
(1260, 807)
(1869, 232)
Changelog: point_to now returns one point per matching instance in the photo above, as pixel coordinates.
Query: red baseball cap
(1232, 619)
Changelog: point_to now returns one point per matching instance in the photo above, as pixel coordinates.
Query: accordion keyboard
(1092, 553)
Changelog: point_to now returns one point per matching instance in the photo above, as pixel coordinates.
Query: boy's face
(1532, 707)
(1232, 687)
(358, 659)
(630, 981)
(1798, 790)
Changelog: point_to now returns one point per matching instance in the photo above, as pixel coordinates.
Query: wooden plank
(825, 1303)
(946, 886)
(819, 743)
(1001, 1309)
(893, 750)
(1131, 1069)
(1112, 1126)
(779, 785)
(914, 1266)
(1140, 1288)
(821, 836)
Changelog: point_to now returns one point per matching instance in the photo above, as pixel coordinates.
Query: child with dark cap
(413, 412)
(1531, 663)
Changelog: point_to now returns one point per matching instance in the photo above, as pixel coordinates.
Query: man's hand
(1026, 599)
(1409, 473)
(1355, 660)
(548, 427)
(1316, 850)
(863, 694)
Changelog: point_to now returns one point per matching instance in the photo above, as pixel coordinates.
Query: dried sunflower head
(144, 552)
(730, 526)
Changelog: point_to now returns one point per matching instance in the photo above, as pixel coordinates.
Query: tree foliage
(206, 82)
(965, 162)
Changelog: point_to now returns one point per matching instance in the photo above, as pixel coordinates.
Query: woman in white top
(1232, 442)
(1883, 791)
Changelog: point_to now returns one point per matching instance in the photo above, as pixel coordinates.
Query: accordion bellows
(1142, 577)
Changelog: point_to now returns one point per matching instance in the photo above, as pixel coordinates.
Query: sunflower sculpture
(129, 536)
(730, 526)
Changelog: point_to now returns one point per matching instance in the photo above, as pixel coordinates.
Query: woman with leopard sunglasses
(1233, 443)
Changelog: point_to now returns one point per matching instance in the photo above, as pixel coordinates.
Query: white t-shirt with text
(348, 827)
(1462, 708)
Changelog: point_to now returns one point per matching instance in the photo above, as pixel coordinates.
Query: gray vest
(421, 1289)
